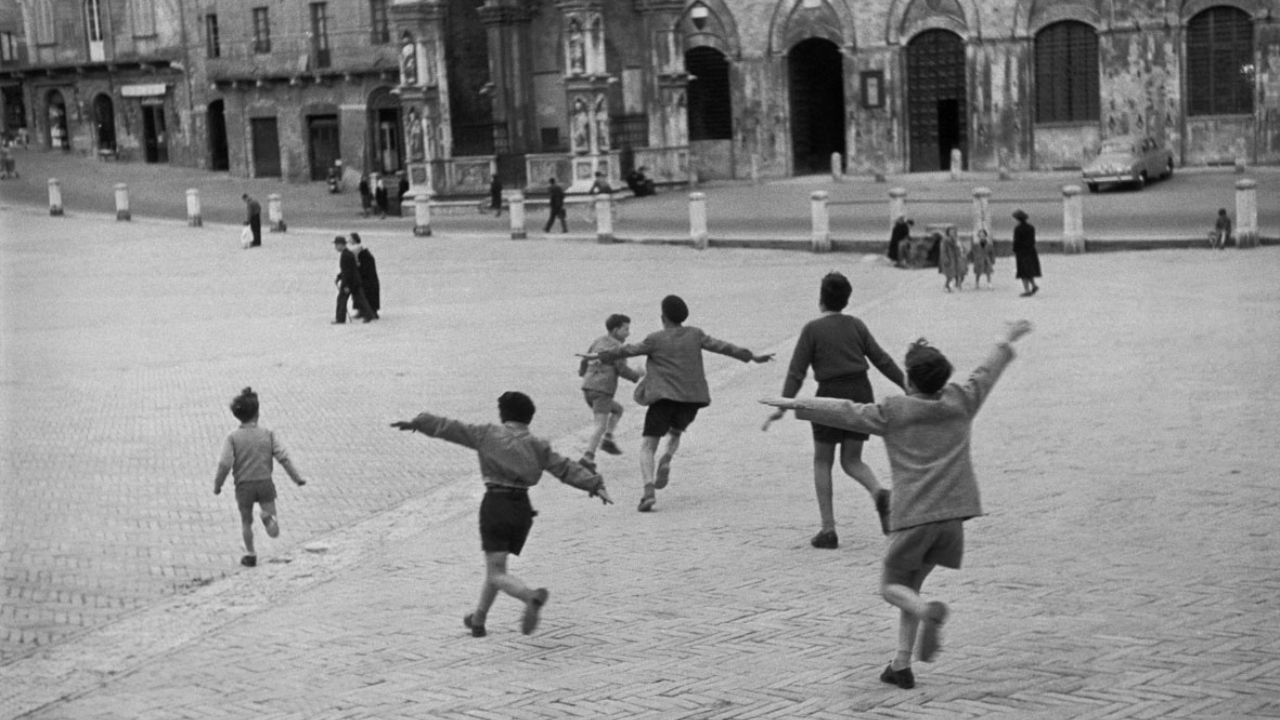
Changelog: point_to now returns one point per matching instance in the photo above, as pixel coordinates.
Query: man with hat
(1024, 254)
(349, 286)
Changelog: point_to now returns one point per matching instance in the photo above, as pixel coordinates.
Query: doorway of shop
(815, 70)
(219, 156)
(266, 147)
(155, 139)
(322, 144)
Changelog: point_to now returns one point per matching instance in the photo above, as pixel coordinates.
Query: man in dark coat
(557, 207)
(348, 282)
(368, 268)
(495, 195)
(901, 231)
(253, 219)
(380, 196)
(1025, 255)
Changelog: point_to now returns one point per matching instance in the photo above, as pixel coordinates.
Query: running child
(983, 257)
(511, 461)
(247, 454)
(600, 383)
(926, 434)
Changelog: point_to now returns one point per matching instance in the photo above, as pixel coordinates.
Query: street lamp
(699, 14)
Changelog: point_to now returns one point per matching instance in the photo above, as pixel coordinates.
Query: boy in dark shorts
(840, 349)
(247, 454)
(600, 383)
(926, 433)
(511, 461)
(674, 387)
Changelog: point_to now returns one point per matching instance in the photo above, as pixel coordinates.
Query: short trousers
(665, 416)
(850, 387)
(601, 403)
(505, 520)
(915, 548)
(254, 491)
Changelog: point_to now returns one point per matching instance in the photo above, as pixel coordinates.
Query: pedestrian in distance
(1221, 230)
(900, 233)
(247, 455)
(1024, 253)
(380, 196)
(600, 384)
(8, 168)
(367, 266)
(253, 218)
(927, 436)
(674, 387)
(556, 207)
(512, 460)
(366, 195)
(952, 261)
(495, 195)
(349, 286)
(983, 257)
(841, 350)
(601, 185)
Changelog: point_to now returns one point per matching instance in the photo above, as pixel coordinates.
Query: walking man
(253, 219)
(557, 208)
(348, 282)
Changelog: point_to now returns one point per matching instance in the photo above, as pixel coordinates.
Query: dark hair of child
(927, 368)
(835, 291)
(245, 405)
(616, 321)
(515, 407)
(674, 309)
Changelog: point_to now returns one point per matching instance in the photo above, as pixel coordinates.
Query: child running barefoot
(247, 455)
(511, 461)
(600, 383)
(926, 434)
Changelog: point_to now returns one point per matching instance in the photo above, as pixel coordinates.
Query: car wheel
(1142, 180)
(1093, 187)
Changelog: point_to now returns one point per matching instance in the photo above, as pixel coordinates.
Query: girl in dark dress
(1024, 253)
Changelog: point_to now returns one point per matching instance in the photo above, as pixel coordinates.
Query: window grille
(629, 131)
(1066, 55)
(261, 30)
(379, 21)
(212, 46)
(710, 102)
(1220, 69)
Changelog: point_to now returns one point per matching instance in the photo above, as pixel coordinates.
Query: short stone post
(193, 208)
(698, 220)
(1072, 220)
(837, 167)
(1246, 213)
(55, 197)
(515, 203)
(275, 215)
(821, 223)
(981, 211)
(897, 204)
(122, 202)
(957, 163)
(422, 215)
(604, 218)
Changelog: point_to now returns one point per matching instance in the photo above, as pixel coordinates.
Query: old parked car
(1128, 160)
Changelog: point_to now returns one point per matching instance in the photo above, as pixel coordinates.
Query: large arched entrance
(216, 117)
(59, 138)
(936, 106)
(385, 143)
(104, 123)
(816, 74)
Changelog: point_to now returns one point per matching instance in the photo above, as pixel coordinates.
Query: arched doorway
(815, 70)
(219, 155)
(104, 123)
(709, 113)
(385, 143)
(936, 100)
(59, 138)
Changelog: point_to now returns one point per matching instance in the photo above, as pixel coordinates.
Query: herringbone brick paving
(1127, 566)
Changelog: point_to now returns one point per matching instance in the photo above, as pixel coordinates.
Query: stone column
(275, 215)
(422, 215)
(897, 204)
(122, 202)
(1072, 220)
(837, 167)
(698, 220)
(193, 208)
(666, 87)
(821, 223)
(424, 94)
(604, 218)
(510, 53)
(586, 85)
(981, 211)
(516, 205)
(55, 197)
(1246, 213)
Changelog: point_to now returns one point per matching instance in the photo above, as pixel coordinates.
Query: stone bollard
(837, 167)
(981, 211)
(698, 220)
(515, 203)
(1246, 213)
(821, 223)
(604, 218)
(275, 215)
(957, 163)
(422, 215)
(1072, 220)
(755, 169)
(193, 208)
(55, 197)
(897, 204)
(122, 202)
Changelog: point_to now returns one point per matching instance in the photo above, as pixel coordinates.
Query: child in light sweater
(926, 434)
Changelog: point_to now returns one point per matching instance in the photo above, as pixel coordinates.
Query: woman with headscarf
(901, 231)
(1025, 255)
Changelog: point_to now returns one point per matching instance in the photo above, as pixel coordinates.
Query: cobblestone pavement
(1128, 565)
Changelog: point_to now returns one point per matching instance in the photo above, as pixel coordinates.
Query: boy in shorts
(600, 383)
(247, 454)
(926, 434)
(674, 387)
(511, 461)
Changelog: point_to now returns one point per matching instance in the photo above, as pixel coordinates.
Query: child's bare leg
(902, 590)
(823, 459)
(673, 444)
(648, 448)
(269, 519)
(853, 466)
(246, 530)
(496, 578)
(602, 424)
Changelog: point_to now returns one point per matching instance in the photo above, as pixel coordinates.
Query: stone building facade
(448, 91)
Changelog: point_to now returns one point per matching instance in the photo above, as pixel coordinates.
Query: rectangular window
(1066, 57)
(261, 30)
(143, 13)
(1220, 70)
(93, 20)
(212, 47)
(381, 24)
(320, 33)
(8, 47)
(45, 33)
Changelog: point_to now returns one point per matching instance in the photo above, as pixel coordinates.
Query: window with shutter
(1220, 69)
(1066, 57)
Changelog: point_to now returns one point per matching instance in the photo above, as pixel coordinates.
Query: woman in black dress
(1024, 252)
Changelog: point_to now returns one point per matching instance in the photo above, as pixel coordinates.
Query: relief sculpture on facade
(581, 135)
(601, 125)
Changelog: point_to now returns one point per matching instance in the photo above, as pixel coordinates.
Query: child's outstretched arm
(572, 473)
(984, 377)
(444, 428)
(282, 457)
(836, 412)
(721, 347)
